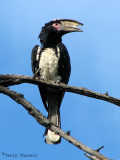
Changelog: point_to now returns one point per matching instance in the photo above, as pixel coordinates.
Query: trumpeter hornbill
(52, 62)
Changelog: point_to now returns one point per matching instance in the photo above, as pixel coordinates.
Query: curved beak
(68, 25)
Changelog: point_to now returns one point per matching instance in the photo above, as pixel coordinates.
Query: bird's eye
(56, 25)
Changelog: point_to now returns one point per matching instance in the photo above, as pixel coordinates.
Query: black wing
(64, 64)
(35, 58)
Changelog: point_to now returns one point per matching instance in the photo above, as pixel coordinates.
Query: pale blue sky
(95, 60)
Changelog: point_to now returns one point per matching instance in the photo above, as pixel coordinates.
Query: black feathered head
(54, 30)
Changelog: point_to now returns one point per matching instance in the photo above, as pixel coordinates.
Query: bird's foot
(41, 78)
(57, 81)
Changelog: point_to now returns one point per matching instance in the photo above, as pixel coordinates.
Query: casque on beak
(68, 25)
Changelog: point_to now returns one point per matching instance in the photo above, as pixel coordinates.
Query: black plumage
(53, 62)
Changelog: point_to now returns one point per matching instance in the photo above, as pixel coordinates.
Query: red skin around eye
(56, 25)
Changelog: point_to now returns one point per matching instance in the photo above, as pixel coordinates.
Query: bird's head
(54, 30)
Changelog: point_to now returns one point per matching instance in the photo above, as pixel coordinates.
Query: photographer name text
(21, 155)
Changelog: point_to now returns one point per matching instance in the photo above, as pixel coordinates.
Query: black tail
(52, 99)
(54, 117)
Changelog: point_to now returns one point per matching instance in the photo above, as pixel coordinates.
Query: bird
(51, 61)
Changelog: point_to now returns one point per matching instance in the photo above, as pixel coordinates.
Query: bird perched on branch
(52, 62)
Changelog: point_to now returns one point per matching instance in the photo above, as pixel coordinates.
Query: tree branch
(9, 80)
(46, 123)
(93, 157)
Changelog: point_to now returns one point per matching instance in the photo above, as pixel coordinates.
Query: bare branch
(93, 157)
(9, 80)
(46, 123)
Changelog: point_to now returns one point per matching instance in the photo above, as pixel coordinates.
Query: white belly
(49, 64)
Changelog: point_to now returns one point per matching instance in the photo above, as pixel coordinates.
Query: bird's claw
(57, 81)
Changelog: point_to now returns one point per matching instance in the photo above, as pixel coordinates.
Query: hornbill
(52, 62)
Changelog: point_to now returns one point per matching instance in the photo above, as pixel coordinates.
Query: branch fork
(9, 80)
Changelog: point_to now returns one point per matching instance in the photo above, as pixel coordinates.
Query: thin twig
(45, 122)
(34, 76)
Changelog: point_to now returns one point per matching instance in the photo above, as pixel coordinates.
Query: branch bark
(9, 80)
(46, 123)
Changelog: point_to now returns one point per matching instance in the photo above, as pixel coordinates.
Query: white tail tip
(52, 138)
